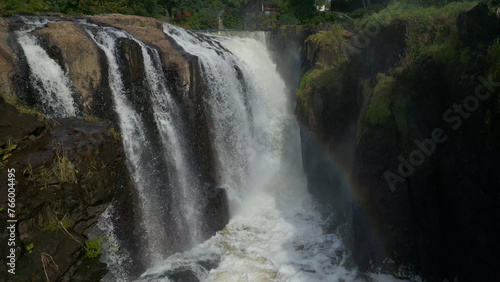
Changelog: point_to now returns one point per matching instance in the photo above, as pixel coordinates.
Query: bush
(93, 248)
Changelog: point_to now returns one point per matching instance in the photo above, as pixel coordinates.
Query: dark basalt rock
(477, 27)
(45, 194)
(440, 222)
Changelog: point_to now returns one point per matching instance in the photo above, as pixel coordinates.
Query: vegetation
(93, 248)
(330, 40)
(323, 75)
(30, 248)
(494, 59)
(65, 169)
(379, 107)
(116, 135)
(431, 30)
(54, 225)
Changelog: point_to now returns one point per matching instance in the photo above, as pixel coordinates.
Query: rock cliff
(67, 172)
(422, 155)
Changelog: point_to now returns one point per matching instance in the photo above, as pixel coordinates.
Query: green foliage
(54, 225)
(233, 19)
(116, 135)
(379, 107)
(328, 77)
(330, 40)
(302, 9)
(6, 152)
(430, 30)
(93, 248)
(204, 19)
(30, 248)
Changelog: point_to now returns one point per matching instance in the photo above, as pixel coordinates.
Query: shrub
(93, 248)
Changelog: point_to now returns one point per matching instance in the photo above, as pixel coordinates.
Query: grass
(65, 168)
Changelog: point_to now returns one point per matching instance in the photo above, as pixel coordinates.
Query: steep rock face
(7, 63)
(67, 171)
(438, 218)
(79, 54)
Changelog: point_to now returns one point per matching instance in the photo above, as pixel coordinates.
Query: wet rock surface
(67, 172)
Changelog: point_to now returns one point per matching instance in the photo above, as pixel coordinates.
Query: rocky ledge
(66, 173)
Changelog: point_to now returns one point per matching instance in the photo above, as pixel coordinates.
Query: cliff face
(66, 171)
(422, 157)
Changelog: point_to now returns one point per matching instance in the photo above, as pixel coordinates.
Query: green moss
(330, 40)
(429, 30)
(11, 99)
(116, 135)
(323, 77)
(379, 108)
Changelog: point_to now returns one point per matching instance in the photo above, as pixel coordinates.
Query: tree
(303, 9)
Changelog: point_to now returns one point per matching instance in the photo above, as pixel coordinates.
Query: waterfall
(275, 233)
(149, 176)
(47, 77)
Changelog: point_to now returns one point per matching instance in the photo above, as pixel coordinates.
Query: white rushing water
(275, 233)
(146, 175)
(47, 76)
(135, 143)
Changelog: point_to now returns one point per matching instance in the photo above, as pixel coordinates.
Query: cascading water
(47, 76)
(275, 233)
(148, 174)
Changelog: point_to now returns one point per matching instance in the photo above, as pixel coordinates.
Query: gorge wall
(406, 103)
